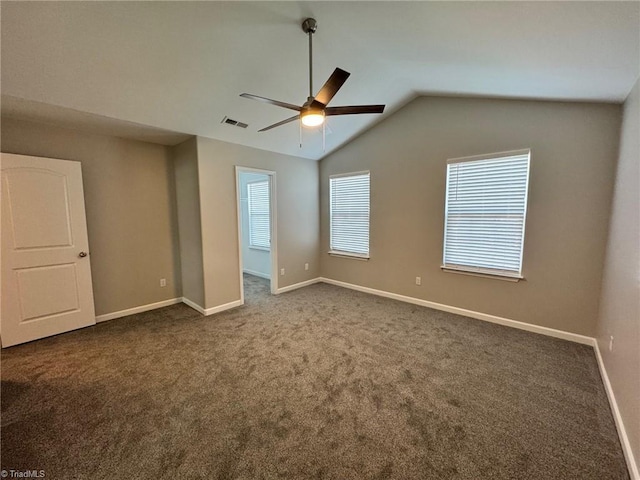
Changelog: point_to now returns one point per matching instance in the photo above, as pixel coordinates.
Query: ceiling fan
(315, 109)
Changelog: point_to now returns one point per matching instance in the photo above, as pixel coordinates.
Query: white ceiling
(180, 66)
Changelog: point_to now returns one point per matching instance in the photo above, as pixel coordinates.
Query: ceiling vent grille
(235, 123)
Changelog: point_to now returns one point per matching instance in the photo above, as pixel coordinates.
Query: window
(486, 205)
(258, 203)
(349, 214)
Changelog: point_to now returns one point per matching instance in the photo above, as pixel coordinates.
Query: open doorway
(256, 231)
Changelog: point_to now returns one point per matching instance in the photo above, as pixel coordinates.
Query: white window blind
(258, 206)
(349, 214)
(486, 204)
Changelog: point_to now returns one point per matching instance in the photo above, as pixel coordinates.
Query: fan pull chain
(324, 124)
(300, 125)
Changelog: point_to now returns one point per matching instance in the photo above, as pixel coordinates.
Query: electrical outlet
(418, 281)
(163, 282)
(306, 266)
(611, 343)
(282, 271)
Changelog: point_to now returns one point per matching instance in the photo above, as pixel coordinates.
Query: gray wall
(131, 217)
(255, 261)
(574, 148)
(620, 303)
(185, 164)
(297, 216)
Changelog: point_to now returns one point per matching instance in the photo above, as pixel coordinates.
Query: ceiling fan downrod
(309, 26)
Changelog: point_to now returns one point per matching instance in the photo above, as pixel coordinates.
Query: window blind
(486, 203)
(349, 214)
(258, 206)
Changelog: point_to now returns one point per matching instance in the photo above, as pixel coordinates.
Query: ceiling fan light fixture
(312, 118)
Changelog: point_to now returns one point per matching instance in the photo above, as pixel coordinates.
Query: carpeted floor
(318, 383)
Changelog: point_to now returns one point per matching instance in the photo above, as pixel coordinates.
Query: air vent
(231, 121)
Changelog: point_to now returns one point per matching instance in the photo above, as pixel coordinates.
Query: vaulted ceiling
(166, 68)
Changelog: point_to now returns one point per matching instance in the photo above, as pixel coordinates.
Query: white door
(46, 275)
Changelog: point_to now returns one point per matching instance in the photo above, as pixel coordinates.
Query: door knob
(82, 254)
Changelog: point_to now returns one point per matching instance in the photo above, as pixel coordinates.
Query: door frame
(272, 226)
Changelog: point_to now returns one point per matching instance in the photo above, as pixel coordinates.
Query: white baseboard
(634, 471)
(140, 309)
(166, 303)
(193, 305)
(222, 308)
(551, 332)
(295, 286)
(212, 310)
(257, 274)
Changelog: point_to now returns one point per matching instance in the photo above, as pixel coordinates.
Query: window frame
(346, 253)
(250, 215)
(509, 275)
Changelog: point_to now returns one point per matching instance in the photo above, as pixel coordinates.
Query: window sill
(352, 256)
(478, 273)
(264, 249)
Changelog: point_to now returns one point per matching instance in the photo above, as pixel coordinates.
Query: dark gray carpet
(318, 383)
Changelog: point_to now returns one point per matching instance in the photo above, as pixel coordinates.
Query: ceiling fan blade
(354, 110)
(295, 117)
(331, 86)
(272, 102)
